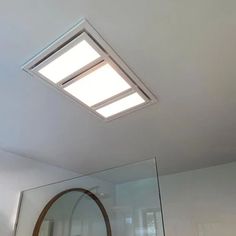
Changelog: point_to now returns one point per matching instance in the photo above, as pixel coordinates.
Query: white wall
(200, 202)
(17, 174)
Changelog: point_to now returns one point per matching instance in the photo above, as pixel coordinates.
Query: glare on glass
(121, 105)
(97, 86)
(69, 62)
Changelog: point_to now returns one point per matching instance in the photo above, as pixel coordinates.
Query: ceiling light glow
(69, 62)
(82, 66)
(123, 104)
(97, 86)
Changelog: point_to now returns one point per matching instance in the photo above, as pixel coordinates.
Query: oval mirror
(74, 212)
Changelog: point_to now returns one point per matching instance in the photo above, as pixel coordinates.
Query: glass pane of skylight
(69, 62)
(98, 85)
(121, 105)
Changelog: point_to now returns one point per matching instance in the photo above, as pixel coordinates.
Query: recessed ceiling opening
(84, 67)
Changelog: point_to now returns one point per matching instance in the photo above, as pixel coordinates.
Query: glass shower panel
(128, 194)
(86, 219)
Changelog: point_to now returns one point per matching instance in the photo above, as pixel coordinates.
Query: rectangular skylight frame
(107, 54)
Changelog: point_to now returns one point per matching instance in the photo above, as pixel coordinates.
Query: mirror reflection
(73, 213)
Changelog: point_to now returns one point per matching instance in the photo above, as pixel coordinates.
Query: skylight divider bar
(73, 77)
(113, 99)
(106, 60)
(86, 72)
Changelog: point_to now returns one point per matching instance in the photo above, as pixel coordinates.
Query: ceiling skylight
(84, 67)
(97, 86)
(123, 104)
(70, 61)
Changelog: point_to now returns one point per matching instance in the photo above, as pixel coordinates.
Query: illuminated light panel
(121, 105)
(97, 86)
(82, 66)
(69, 62)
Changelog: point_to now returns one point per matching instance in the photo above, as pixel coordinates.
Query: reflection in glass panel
(129, 194)
(73, 214)
(87, 219)
(46, 228)
(152, 221)
(151, 227)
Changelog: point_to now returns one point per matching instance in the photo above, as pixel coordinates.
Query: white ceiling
(184, 51)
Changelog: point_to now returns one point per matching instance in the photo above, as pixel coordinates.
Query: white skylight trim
(72, 60)
(83, 67)
(97, 86)
(121, 105)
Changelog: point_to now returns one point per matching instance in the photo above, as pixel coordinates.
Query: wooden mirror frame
(81, 190)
